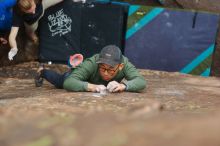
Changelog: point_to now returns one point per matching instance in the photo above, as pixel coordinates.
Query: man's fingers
(116, 89)
(110, 85)
(119, 88)
(99, 88)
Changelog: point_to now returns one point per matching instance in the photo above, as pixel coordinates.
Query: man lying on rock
(109, 70)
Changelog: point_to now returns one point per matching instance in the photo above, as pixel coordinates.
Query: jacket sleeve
(10, 3)
(77, 81)
(134, 80)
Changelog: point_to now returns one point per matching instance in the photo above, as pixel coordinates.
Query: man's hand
(114, 86)
(12, 53)
(95, 88)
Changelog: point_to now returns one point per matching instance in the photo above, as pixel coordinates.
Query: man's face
(108, 72)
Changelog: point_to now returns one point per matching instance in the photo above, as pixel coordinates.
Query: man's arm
(78, 80)
(12, 37)
(13, 43)
(72, 84)
(75, 84)
(95, 88)
(135, 81)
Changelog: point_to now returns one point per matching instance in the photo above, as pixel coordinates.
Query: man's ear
(121, 66)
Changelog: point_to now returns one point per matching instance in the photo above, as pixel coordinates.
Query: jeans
(55, 78)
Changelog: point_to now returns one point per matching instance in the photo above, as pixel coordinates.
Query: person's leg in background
(30, 31)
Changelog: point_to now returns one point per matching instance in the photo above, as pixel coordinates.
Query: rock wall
(174, 110)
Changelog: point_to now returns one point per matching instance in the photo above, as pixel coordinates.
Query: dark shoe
(38, 79)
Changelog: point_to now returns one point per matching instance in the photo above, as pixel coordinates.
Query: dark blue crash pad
(171, 40)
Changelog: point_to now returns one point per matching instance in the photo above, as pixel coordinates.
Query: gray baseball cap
(110, 55)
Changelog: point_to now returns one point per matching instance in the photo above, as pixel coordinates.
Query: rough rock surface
(175, 109)
(203, 5)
